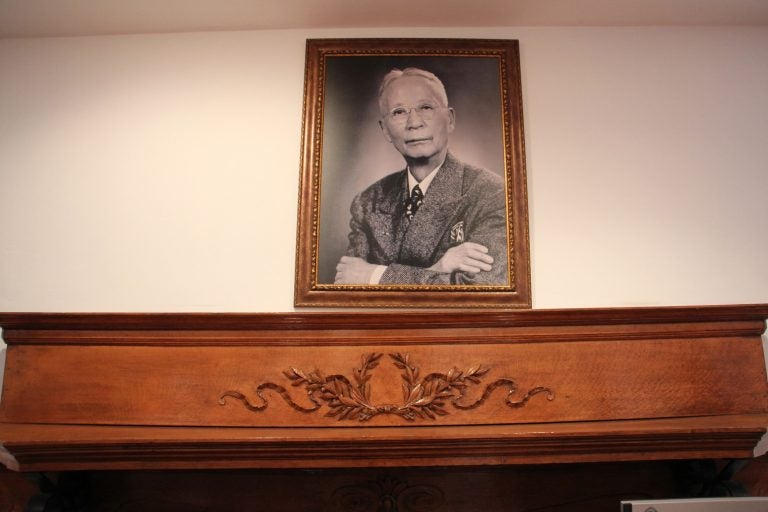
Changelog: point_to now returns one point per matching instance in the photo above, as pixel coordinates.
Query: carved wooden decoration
(422, 399)
(387, 494)
(133, 391)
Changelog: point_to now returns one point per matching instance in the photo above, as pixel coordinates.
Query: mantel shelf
(194, 391)
(78, 447)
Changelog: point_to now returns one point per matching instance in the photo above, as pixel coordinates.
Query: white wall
(160, 172)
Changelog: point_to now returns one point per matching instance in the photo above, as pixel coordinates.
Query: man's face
(421, 124)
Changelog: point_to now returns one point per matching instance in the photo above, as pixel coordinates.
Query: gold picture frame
(353, 140)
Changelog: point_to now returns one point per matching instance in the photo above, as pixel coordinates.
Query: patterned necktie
(414, 202)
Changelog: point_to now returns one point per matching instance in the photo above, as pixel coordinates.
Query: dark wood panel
(593, 487)
(571, 488)
(15, 491)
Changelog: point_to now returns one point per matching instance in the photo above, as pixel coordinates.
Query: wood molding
(79, 447)
(149, 391)
(374, 321)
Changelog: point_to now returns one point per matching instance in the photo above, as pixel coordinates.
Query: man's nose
(414, 119)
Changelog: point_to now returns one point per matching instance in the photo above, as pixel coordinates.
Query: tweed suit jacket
(462, 204)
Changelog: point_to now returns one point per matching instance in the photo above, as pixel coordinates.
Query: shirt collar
(423, 184)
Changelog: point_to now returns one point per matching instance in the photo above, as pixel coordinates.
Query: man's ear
(385, 131)
(451, 119)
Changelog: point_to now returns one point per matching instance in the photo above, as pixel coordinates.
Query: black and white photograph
(415, 157)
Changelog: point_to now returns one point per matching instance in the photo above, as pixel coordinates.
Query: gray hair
(434, 82)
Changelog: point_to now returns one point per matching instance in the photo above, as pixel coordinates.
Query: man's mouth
(418, 141)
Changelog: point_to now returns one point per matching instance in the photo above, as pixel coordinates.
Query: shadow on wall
(2, 362)
(765, 353)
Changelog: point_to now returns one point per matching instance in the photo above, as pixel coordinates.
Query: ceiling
(36, 18)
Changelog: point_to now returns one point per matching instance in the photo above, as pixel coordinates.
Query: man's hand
(351, 270)
(467, 257)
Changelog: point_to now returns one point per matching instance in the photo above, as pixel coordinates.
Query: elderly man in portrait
(439, 220)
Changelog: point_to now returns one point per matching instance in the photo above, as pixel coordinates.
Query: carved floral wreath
(422, 399)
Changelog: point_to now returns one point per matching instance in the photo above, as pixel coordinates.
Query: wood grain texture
(234, 390)
(183, 385)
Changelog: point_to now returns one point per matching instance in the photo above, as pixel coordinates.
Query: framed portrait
(413, 185)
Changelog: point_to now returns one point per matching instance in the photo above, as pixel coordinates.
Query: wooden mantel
(166, 391)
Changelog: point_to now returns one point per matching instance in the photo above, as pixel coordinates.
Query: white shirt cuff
(377, 273)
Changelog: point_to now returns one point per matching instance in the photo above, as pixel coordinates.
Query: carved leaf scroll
(425, 398)
(387, 494)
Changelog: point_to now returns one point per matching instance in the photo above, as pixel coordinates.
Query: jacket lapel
(423, 233)
(387, 220)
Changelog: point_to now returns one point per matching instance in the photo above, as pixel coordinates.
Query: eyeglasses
(400, 115)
